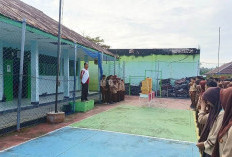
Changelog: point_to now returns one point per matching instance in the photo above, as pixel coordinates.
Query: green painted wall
(172, 66)
(93, 72)
(163, 58)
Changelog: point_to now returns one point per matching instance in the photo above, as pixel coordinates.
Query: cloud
(150, 23)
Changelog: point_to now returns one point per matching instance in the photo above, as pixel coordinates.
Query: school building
(224, 71)
(40, 59)
(169, 63)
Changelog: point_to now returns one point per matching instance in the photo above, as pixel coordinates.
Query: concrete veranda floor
(129, 120)
(10, 105)
(8, 117)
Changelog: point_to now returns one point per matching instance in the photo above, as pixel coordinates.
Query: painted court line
(51, 132)
(178, 141)
(32, 139)
(71, 142)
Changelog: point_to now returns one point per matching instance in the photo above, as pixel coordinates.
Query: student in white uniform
(85, 82)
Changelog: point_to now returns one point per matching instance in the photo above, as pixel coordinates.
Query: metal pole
(99, 83)
(160, 84)
(98, 71)
(161, 77)
(129, 85)
(21, 73)
(198, 68)
(156, 85)
(58, 57)
(102, 57)
(124, 68)
(99, 77)
(219, 44)
(114, 65)
(78, 73)
(75, 77)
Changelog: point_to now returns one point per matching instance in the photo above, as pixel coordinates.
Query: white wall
(47, 84)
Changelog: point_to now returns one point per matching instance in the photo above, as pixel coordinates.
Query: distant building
(223, 71)
(172, 63)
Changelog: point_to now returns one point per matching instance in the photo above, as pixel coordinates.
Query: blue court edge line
(70, 142)
(152, 137)
(33, 139)
(54, 130)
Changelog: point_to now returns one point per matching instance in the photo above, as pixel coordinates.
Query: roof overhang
(10, 35)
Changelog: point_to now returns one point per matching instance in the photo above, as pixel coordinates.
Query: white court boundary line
(4, 150)
(68, 126)
(152, 137)
(32, 139)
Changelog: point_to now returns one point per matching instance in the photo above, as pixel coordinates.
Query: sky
(151, 23)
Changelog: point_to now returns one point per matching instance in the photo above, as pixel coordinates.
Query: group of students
(214, 116)
(198, 85)
(113, 89)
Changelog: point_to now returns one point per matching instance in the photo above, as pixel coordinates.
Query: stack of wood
(146, 86)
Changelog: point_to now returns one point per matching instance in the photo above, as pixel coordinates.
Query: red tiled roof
(17, 10)
(224, 69)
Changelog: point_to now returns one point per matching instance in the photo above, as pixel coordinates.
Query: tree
(204, 70)
(98, 41)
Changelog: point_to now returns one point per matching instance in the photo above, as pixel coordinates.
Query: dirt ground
(29, 133)
(171, 103)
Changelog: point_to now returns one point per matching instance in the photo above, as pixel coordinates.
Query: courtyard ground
(128, 128)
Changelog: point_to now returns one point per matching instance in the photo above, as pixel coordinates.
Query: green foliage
(98, 41)
(204, 70)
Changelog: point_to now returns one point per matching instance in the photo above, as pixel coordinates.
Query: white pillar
(1, 71)
(34, 73)
(66, 75)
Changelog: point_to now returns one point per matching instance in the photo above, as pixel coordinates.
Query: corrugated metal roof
(147, 52)
(224, 69)
(17, 10)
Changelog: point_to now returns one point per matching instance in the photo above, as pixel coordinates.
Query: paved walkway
(33, 113)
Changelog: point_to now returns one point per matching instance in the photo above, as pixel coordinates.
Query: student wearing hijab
(123, 90)
(120, 89)
(192, 92)
(225, 84)
(103, 88)
(229, 85)
(109, 83)
(213, 124)
(223, 146)
(114, 90)
(210, 83)
(202, 85)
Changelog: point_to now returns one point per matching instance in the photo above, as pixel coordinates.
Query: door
(8, 79)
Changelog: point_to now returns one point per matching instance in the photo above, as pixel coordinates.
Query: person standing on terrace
(85, 82)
